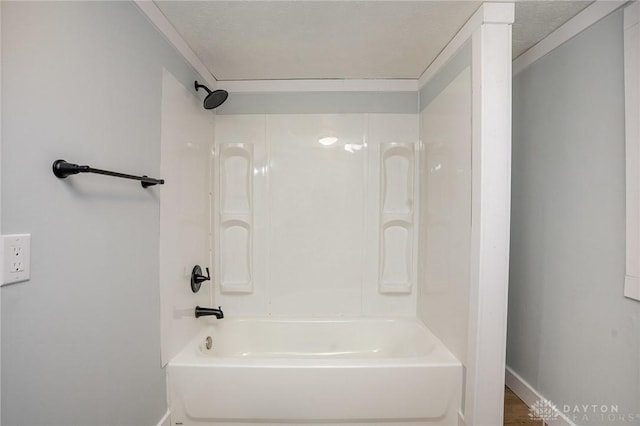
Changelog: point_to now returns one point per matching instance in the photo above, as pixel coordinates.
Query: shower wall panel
(445, 238)
(185, 146)
(316, 207)
(330, 194)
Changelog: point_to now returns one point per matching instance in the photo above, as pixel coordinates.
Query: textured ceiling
(536, 19)
(262, 40)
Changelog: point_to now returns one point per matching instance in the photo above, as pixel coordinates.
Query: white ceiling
(265, 40)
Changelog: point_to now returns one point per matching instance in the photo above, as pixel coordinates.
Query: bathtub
(320, 372)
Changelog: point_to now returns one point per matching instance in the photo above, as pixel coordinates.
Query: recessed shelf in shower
(396, 217)
(235, 217)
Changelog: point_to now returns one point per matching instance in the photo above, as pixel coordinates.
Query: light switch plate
(16, 258)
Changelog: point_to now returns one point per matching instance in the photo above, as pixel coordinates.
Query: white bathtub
(321, 372)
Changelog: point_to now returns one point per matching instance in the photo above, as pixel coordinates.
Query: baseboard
(165, 420)
(461, 421)
(530, 396)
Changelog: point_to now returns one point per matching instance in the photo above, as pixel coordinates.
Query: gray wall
(81, 340)
(320, 103)
(571, 333)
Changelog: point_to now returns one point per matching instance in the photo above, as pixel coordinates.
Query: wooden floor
(516, 412)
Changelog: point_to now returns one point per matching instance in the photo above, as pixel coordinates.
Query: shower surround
(333, 216)
(315, 241)
(315, 214)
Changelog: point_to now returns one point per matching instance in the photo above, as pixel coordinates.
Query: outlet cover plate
(16, 258)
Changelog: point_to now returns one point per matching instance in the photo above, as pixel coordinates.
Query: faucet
(201, 312)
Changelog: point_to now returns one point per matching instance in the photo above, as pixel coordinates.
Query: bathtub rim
(191, 356)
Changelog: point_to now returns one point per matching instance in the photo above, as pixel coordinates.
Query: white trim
(158, 19)
(490, 222)
(165, 420)
(529, 396)
(632, 149)
(589, 16)
(328, 85)
(493, 13)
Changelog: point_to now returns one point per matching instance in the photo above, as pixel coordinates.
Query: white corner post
(490, 215)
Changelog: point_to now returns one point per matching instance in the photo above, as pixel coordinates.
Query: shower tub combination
(323, 372)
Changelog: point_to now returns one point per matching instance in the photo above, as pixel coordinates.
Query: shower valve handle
(200, 278)
(197, 278)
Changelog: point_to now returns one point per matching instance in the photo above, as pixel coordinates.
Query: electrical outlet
(16, 253)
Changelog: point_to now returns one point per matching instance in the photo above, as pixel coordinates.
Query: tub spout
(202, 312)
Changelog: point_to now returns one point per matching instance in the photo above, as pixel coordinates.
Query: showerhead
(214, 99)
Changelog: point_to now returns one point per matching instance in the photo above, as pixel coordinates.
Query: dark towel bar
(62, 169)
